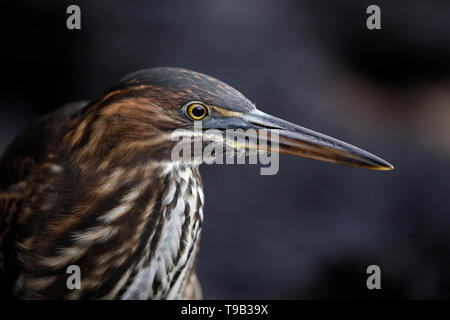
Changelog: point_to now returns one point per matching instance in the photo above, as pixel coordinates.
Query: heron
(93, 185)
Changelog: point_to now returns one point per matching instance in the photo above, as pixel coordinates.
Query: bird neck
(173, 246)
(133, 229)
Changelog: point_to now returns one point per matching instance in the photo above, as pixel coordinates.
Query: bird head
(135, 120)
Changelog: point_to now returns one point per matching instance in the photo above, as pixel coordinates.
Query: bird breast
(171, 263)
(140, 242)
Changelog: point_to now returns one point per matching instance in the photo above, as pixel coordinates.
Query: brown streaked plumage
(93, 185)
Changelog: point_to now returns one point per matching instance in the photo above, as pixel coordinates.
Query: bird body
(94, 185)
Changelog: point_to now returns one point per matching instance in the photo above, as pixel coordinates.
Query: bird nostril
(262, 125)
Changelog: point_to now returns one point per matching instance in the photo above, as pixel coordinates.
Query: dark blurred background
(311, 230)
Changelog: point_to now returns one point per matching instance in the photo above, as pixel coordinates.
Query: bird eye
(196, 111)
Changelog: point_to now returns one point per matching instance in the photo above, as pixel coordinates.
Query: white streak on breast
(168, 195)
(161, 266)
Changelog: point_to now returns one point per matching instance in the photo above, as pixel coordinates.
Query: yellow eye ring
(196, 111)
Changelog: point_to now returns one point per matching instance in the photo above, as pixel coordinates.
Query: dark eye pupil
(198, 111)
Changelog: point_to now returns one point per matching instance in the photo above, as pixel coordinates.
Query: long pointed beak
(299, 141)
